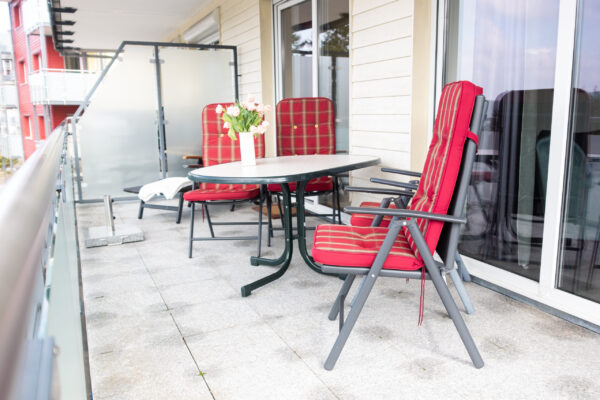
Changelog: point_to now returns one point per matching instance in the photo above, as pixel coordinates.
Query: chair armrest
(403, 213)
(401, 172)
(192, 157)
(404, 185)
(374, 190)
(193, 166)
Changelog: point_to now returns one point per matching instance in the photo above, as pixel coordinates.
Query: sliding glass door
(312, 39)
(533, 227)
(312, 55)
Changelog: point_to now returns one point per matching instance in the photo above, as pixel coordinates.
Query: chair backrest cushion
(217, 147)
(305, 125)
(444, 158)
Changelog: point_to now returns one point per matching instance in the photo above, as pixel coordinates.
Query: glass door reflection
(509, 49)
(578, 271)
(297, 50)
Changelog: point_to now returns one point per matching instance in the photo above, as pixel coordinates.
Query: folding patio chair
(430, 222)
(306, 125)
(218, 148)
(398, 198)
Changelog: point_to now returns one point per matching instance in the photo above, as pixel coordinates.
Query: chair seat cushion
(357, 246)
(322, 184)
(212, 192)
(366, 219)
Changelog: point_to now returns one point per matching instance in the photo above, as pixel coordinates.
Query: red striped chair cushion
(217, 147)
(367, 219)
(305, 126)
(322, 184)
(444, 158)
(357, 246)
(212, 192)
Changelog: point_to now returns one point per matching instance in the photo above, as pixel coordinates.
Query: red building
(38, 65)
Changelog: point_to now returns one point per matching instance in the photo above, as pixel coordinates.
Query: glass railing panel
(118, 131)
(191, 79)
(64, 311)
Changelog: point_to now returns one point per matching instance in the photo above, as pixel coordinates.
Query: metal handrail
(25, 214)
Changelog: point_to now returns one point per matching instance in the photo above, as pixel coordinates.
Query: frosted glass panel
(191, 79)
(118, 132)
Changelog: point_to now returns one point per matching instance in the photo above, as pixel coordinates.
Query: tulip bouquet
(244, 117)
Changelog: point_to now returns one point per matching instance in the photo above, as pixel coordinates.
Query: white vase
(247, 148)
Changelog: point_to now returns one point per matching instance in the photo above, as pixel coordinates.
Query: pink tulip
(226, 125)
(260, 108)
(251, 98)
(265, 124)
(234, 111)
(219, 109)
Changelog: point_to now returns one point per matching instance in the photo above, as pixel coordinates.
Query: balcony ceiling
(105, 24)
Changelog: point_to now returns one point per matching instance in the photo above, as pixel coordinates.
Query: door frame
(545, 291)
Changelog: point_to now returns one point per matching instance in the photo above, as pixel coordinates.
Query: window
(22, 72)
(7, 68)
(27, 128)
(41, 127)
(72, 62)
(37, 61)
(17, 15)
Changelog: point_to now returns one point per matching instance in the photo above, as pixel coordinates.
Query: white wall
(381, 86)
(240, 26)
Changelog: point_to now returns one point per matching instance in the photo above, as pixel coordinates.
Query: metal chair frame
(446, 247)
(211, 224)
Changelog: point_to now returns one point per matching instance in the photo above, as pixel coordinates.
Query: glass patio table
(283, 170)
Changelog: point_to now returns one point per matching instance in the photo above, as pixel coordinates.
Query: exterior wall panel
(381, 43)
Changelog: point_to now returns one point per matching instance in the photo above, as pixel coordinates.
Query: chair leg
(360, 285)
(192, 229)
(462, 292)
(336, 200)
(141, 210)
(445, 296)
(280, 210)
(260, 206)
(269, 219)
(179, 208)
(364, 292)
(335, 308)
(212, 232)
(462, 268)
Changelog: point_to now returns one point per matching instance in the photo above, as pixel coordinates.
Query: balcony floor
(162, 326)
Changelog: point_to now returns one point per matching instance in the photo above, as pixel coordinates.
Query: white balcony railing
(35, 14)
(8, 96)
(60, 86)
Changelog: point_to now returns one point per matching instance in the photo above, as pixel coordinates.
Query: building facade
(50, 86)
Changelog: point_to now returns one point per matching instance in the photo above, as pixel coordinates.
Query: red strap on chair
(473, 137)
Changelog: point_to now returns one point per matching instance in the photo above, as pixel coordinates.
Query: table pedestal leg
(300, 221)
(285, 257)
